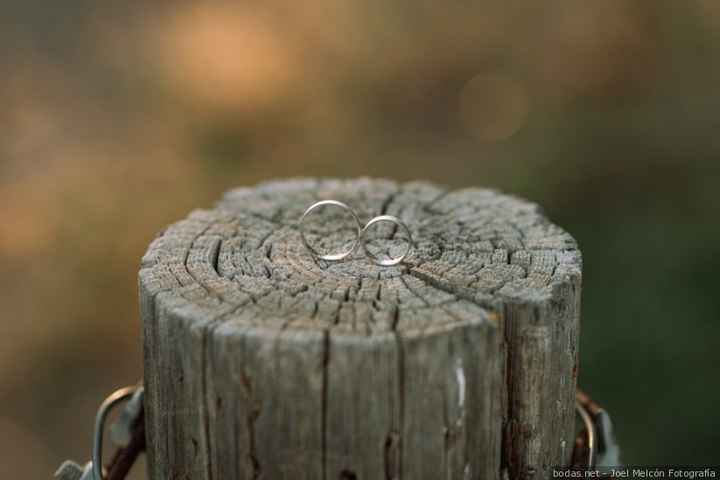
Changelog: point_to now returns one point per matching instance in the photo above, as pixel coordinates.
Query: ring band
(393, 260)
(332, 256)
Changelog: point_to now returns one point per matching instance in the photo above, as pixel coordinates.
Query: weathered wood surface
(263, 363)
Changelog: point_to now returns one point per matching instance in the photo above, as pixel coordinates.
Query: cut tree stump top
(262, 361)
(244, 261)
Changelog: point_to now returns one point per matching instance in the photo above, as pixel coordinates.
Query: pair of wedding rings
(360, 235)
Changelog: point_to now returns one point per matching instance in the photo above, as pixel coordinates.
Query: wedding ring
(331, 256)
(392, 260)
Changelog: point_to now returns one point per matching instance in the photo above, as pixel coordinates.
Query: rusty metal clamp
(128, 434)
(595, 445)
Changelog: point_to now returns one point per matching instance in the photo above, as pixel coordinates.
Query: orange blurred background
(119, 118)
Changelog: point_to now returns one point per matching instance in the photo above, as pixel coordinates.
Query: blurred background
(118, 118)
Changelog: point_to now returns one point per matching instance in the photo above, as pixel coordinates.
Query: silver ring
(333, 256)
(390, 261)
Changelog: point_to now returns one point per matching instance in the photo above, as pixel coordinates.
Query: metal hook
(106, 407)
(590, 428)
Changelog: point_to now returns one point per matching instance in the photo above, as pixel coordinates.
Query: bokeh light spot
(493, 106)
(226, 56)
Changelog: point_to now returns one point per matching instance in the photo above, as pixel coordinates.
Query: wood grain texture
(262, 362)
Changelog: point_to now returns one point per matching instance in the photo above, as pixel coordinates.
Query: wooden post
(263, 363)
